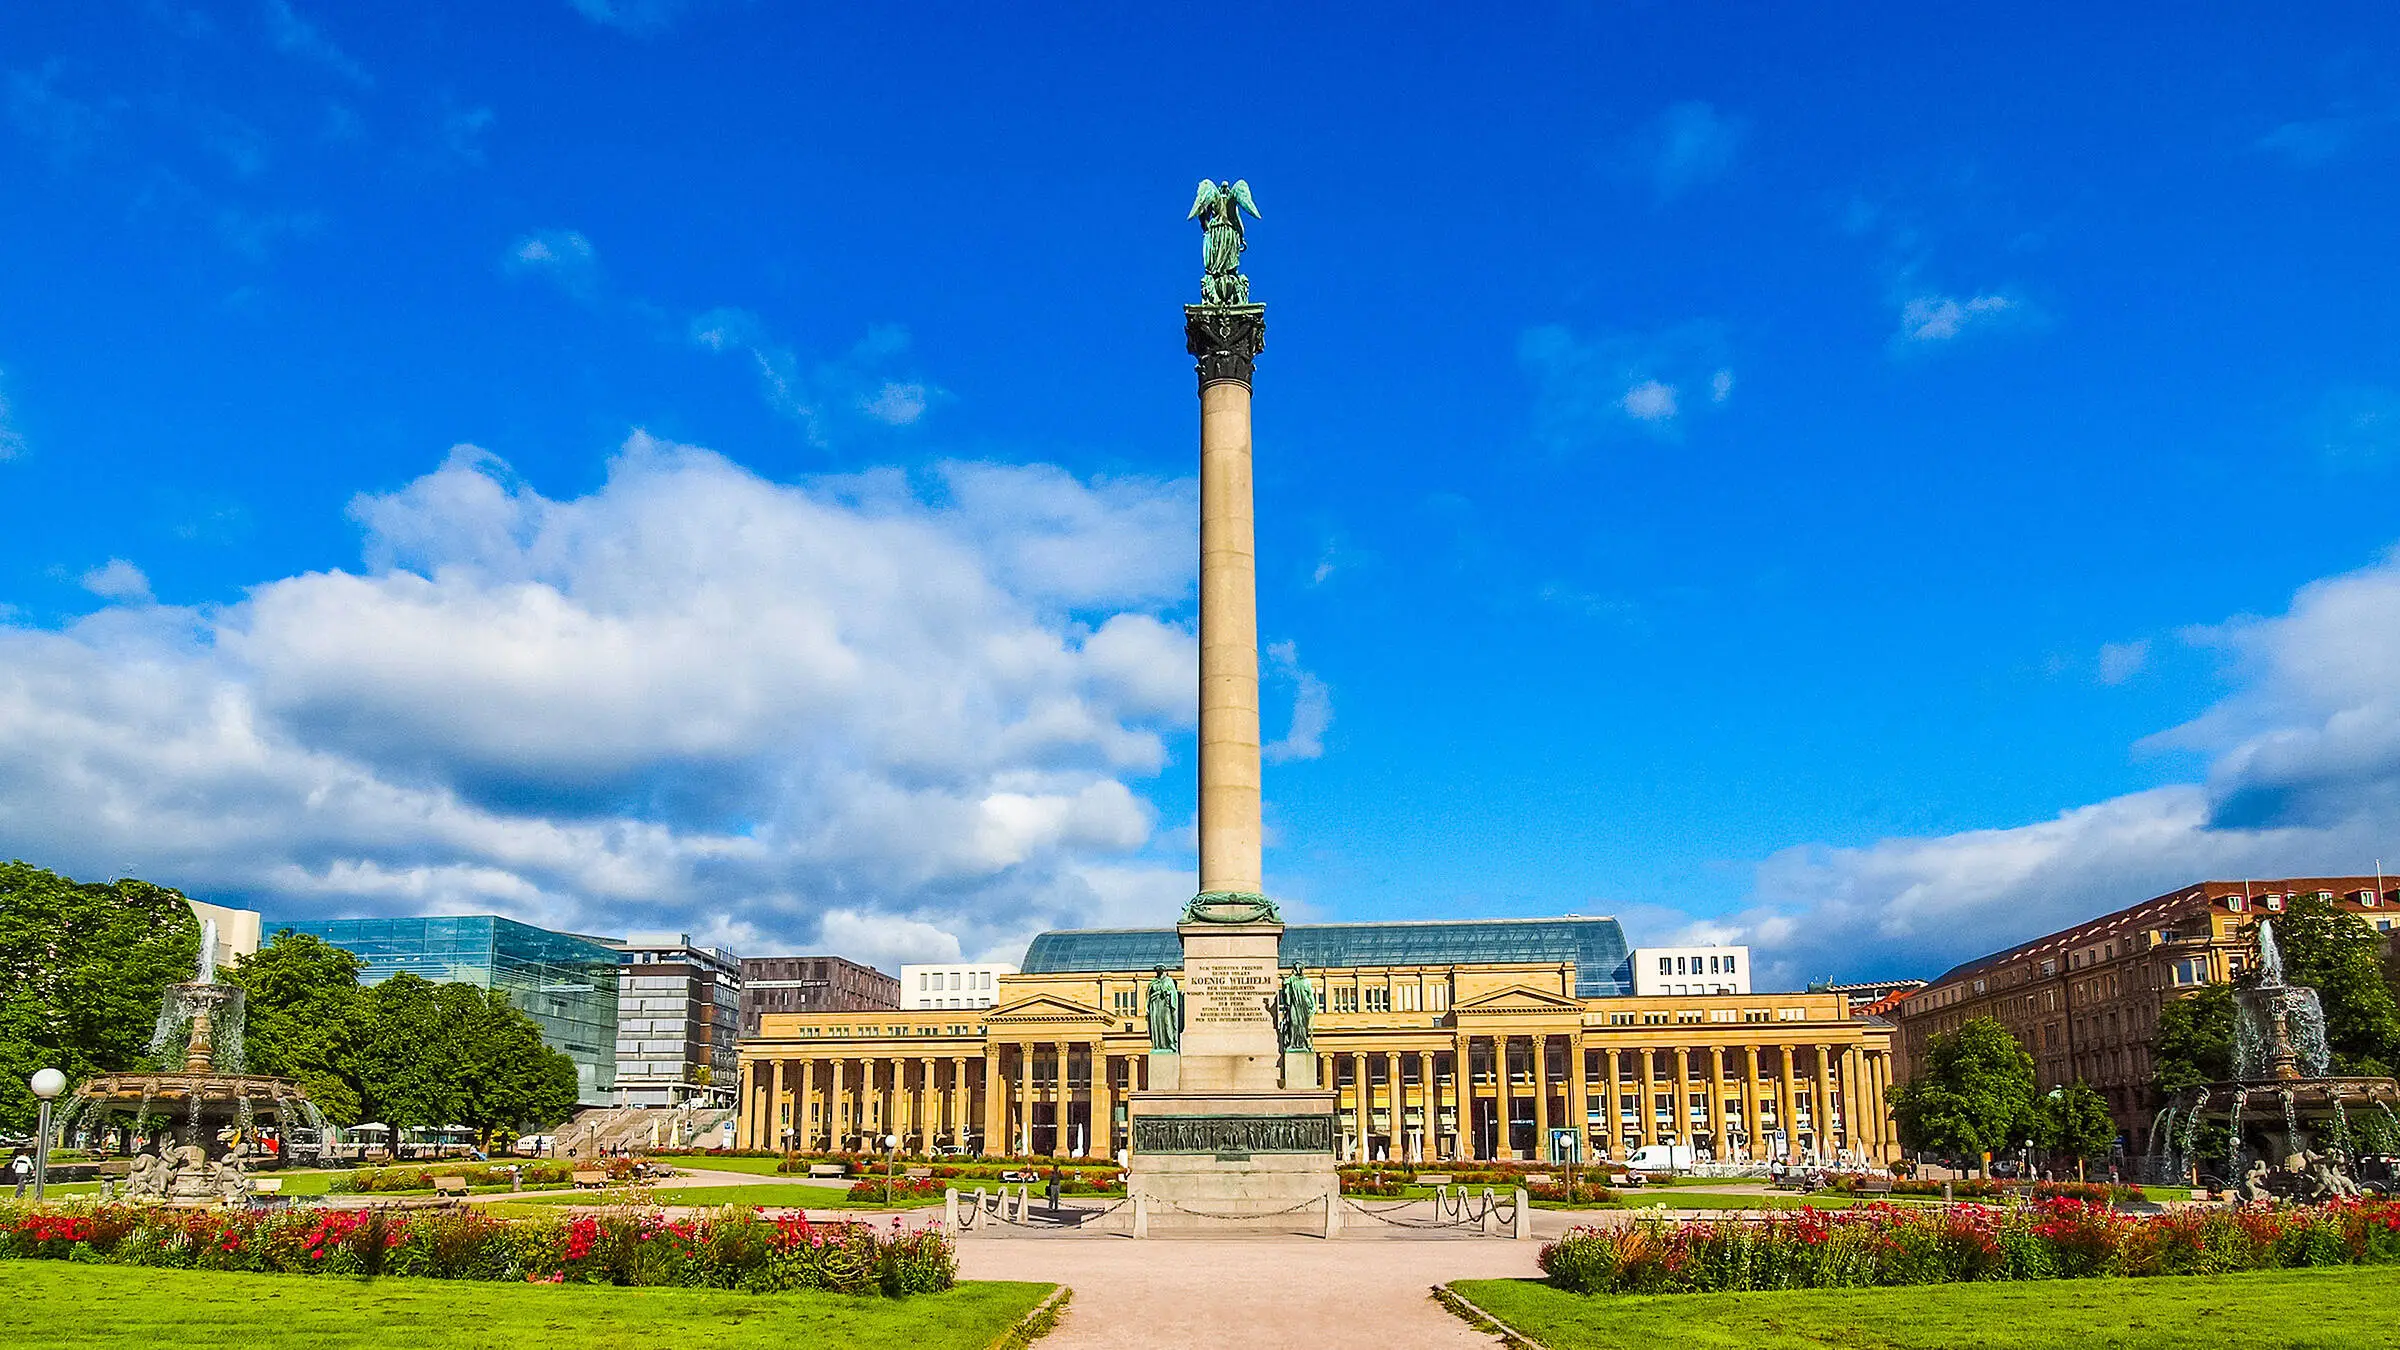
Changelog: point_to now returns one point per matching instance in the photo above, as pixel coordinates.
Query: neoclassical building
(1472, 1039)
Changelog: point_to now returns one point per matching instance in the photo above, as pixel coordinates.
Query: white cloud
(692, 699)
(1688, 144)
(896, 404)
(2121, 661)
(1312, 707)
(12, 441)
(297, 37)
(563, 257)
(1649, 401)
(816, 394)
(638, 18)
(118, 579)
(1939, 318)
(1594, 389)
(2303, 780)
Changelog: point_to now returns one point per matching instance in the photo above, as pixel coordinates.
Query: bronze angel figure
(1218, 208)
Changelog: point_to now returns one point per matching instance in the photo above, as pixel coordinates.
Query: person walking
(21, 1168)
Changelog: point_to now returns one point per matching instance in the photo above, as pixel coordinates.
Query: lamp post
(891, 1161)
(46, 1084)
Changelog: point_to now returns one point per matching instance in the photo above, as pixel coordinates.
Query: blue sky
(1874, 489)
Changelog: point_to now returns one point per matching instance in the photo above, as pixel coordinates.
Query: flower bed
(1888, 1245)
(375, 1180)
(729, 1248)
(902, 1188)
(1978, 1188)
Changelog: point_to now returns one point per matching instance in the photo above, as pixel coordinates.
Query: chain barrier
(974, 1210)
(1449, 1211)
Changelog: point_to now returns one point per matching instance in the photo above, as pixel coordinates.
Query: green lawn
(54, 1305)
(752, 1166)
(2342, 1309)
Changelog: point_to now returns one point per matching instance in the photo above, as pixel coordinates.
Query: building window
(1379, 998)
(1345, 999)
(1404, 998)
(1666, 965)
(1437, 998)
(1620, 1019)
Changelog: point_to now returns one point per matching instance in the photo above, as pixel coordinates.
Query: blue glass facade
(567, 984)
(1596, 946)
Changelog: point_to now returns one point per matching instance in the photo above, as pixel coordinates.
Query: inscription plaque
(1225, 992)
(1233, 1134)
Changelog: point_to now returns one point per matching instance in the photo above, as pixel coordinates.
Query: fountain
(201, 1118)
(2288, 1128)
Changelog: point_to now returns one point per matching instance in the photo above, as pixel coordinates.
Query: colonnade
(1801, 1101)
(1007, 1096)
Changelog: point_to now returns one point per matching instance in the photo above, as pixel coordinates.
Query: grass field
(53, 1305)
(2275, 1310)
(751, 1166)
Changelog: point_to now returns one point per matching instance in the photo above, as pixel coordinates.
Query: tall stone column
(1649, 1111)
(1579, 1104)
(1429, 1101)
(1719, 1126)
(1022, 1139)
(837, 1122)
(1459, 1101)
(1787, 1075)
(929, 1106)
(955, 1112)
(995, 1121)
(1822, 1114)
(1679, 1062)
(775, 1107)
(1538, 1046)
(1226, 340)
(1104, 1102)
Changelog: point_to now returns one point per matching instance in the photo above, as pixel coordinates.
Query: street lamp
(46, 1084)
(891, 1160)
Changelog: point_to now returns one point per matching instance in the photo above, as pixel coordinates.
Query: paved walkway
(1172, 1293)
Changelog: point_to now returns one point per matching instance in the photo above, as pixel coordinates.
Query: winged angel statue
(1219, 209)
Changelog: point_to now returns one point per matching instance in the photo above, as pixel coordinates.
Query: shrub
(2065, 1238)
(383, 1180)
(729, 1248)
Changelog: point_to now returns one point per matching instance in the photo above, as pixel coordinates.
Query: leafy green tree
(507, 1077)
(1975, 1095)
(2074, 1122)
(83, 967)
(2193, 1042)
(307, 1018)
(405, 1074)
(2338, 955)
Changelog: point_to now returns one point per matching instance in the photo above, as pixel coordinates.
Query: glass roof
(1596, 946)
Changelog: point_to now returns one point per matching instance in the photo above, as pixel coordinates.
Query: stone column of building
(1720, 1128)
(1579, 1107)
(804, 1083)
(1465, 1145)
(745, 1121)
(834, 1120)
(1854, 1107)
(1679, 1062)
(1753, 1103)
(1649, 1080)
(995, 1138)
(928, 1106)
(1396, 1094)
(1783, 1102)
(1540, 1050)
(775, 1107)
(1227, 341)
(1022, 1140)
(1358, 1101)
(1823, 1113)
(1062, 1092)
(954, 1109)
(1430, 1102)
(1104, 1102)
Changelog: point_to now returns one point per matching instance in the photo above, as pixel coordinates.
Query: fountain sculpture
(202, 1118)
(2282, 1127)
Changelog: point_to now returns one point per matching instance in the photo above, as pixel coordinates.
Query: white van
(1660, 1158)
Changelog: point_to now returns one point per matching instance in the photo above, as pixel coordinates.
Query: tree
(83, 968)
(2074, 1122)
(507, 1076)
(2193, 1042)
(307, 1018)
(1975, 1095)
(405, 1074)
(2337, 954)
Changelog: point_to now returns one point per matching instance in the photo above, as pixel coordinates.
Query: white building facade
(958, 984)
(1691, 970)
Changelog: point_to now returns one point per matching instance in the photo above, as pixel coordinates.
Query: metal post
(41, 1153)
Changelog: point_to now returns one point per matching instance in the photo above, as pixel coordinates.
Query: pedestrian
(1055, 1174)
(21, 1168)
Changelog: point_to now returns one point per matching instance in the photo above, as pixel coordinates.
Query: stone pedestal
(1236, 1162)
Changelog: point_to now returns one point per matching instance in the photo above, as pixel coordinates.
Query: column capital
(1225, 340)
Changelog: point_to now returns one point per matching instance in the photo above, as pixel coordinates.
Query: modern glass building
(1596, 946)
(566, 983)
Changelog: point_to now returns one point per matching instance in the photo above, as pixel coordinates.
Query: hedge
(373, 1180)
(728, 1248)
(1889, 1245)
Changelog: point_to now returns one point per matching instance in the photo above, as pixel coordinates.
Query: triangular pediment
(1043, 1008)
(1517, 998)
